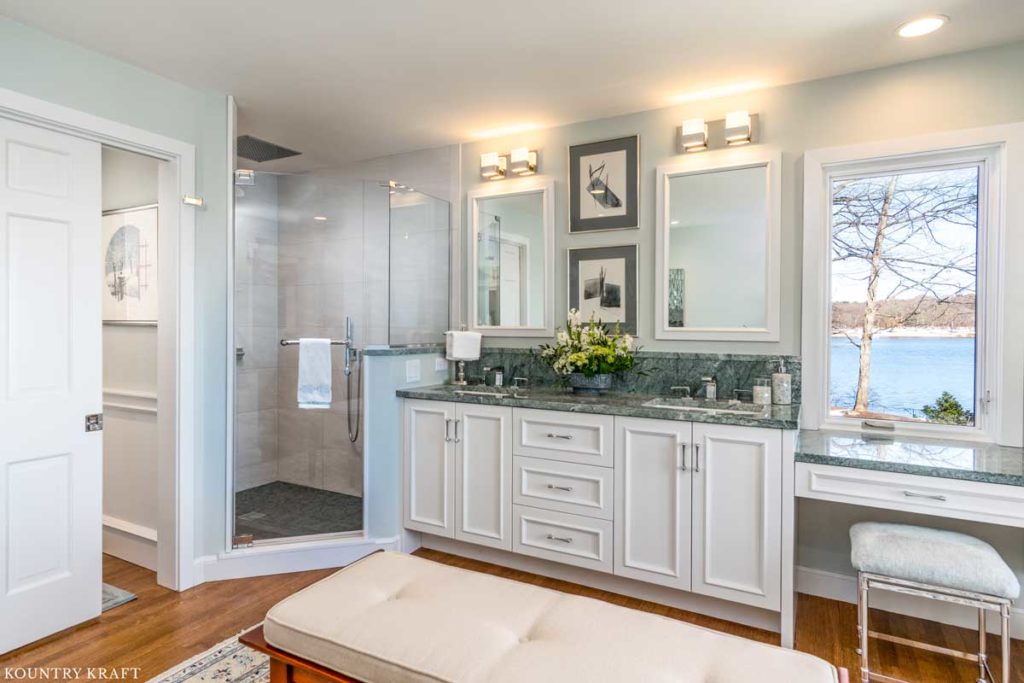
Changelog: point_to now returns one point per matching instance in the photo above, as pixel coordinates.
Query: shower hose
(353, 430)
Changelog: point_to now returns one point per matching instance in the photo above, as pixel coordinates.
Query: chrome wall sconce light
(737, 128)
(693, 136)
(520, 162)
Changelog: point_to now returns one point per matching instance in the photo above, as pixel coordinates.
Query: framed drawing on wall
(130, 266)
(604, 185)
(602, 283)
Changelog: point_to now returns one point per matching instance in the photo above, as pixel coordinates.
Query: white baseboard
(722, 609)
(286, 558)
(129, 541)
(843, 587)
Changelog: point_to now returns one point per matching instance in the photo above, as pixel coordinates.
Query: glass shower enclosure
(318, 255)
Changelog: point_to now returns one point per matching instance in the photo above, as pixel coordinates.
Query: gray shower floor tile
(280, 510)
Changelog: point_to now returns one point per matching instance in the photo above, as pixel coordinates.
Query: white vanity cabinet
(737, 514)
(652, 500)
(458, 471)
(692, 506)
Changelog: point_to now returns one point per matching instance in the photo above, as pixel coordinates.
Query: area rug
(228, 660)
(114, 596)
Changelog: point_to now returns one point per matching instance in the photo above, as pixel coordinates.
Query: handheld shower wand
(350, 352)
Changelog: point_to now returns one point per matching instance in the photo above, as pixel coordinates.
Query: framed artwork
(604, 185)
(602, 282)
(130, 266)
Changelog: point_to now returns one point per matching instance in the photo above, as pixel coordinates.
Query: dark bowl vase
(581, 384)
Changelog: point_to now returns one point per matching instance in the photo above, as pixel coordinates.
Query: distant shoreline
(912, 332)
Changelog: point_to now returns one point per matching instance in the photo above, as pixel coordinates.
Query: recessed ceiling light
(319, 218)
(922, 26)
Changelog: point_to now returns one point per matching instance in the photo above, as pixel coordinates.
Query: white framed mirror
(512, 244)
(718, 246)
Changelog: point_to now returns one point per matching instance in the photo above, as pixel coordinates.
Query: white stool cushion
(398, 619)
(932, 556)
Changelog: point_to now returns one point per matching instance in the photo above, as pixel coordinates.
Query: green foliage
(589, 349)
(948, 410)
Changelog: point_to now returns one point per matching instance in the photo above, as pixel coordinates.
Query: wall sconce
(694, 135)
(492, 166)
(522, 161)
(737, 128)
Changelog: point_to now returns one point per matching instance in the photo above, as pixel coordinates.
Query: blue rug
(114, 596)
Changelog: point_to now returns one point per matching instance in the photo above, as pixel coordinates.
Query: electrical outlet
(412, 370)
(440, 365)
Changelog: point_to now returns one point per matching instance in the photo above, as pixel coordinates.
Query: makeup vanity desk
(959, 480)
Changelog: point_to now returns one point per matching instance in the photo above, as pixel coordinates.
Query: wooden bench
(393, 618)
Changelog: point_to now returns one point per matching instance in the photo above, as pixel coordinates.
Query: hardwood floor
(162, 628)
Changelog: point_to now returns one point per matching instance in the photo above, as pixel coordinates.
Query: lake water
(906, 373)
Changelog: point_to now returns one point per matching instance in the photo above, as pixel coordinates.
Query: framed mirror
(512, 258)
(718, 246)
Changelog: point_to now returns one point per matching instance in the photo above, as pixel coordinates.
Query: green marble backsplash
(663, 370)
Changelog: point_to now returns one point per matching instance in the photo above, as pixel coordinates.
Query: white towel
(314, 374)
(461, 345)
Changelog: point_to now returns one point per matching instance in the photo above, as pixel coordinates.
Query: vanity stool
(931, 563)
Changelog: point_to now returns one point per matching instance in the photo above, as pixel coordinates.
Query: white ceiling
(344, 80)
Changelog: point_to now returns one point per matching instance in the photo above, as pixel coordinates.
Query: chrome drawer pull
(560, 539)
(567, 437)
(911, 494)
(567, 489)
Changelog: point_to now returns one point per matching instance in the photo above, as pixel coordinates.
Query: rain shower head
(255, 149)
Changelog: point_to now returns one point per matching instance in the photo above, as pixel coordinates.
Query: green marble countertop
(927, 457)
(612, 403)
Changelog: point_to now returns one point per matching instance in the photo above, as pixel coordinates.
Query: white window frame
(999, 375)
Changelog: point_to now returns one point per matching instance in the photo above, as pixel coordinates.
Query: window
(912, 311)
(904, 275)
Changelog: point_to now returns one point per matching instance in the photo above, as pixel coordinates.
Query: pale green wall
(40, 65)
(966, 90)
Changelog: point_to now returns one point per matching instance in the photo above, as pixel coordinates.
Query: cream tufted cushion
(931, 556)
(393, 618)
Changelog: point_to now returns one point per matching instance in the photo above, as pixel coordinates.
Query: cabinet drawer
(563, 487)
(570, 437)
(570, 539)
(977, 501)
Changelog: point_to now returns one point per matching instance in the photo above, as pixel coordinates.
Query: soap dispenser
(782, 386)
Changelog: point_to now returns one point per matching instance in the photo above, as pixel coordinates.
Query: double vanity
(690, 495)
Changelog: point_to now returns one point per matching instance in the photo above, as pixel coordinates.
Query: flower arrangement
(588, 349)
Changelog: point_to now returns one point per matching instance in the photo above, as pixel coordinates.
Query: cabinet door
(483, 475)
(652, 501)
(737, 514)
(429, 472)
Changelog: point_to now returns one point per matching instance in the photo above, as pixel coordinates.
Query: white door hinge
(193, 201)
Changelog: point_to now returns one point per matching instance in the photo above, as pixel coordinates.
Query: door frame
(176, 392)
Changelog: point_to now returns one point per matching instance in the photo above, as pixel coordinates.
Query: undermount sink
(694, 405)
(493, 393)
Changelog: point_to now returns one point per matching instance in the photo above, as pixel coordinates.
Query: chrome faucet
(517, 384)
(685, 391)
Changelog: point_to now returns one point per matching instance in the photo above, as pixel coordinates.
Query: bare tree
(888, 231)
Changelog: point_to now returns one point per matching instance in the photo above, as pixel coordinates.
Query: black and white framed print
(602, 282)
(604, 185)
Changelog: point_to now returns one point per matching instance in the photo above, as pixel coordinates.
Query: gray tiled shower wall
(661, 370)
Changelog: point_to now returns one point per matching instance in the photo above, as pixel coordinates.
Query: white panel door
(737, 514)
(429, 468)
(483, 475)
(50, 370)
(652, 501)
